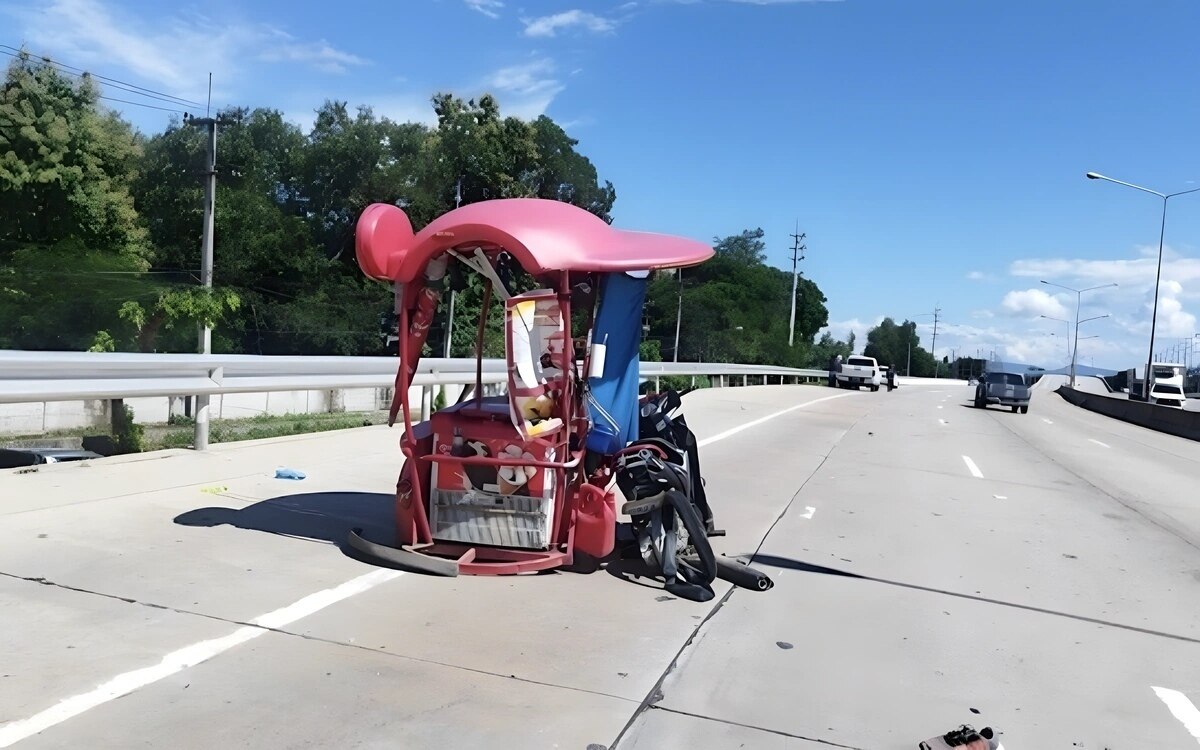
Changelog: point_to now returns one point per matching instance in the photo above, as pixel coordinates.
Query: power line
(142, 90)
(139, 104)
(131, 89)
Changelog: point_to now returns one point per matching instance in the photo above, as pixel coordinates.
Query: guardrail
(84, 376)
(1185, 424)
(70, 376)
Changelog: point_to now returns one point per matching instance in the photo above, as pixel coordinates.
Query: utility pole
(678, 316)
(200, 438)
(937, 311)
(450, 316)
(797, 256)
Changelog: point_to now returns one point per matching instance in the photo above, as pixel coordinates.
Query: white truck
(859, 371)
(1166, 384)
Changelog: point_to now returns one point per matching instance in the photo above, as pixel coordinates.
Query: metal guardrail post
(426, 401)
(200, 431)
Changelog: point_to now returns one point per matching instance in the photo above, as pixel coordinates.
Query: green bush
(128, 436)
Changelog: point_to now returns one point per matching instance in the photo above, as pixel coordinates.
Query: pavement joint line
(1182, 708)
(778, 732)
(188, 656)
(1127, 505)
(310, 637)
(655, 695)
(1003, 603)
(971, 467)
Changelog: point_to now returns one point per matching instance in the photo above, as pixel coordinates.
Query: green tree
(736, 308)
(893, 344)
(70, 239)
(65, 166)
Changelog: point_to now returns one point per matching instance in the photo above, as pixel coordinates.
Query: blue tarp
(613, 400)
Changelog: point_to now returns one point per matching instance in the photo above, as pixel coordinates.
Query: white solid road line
(1047, 421)
(1097, 442)
(1182, 708)
(760, 420)
(808, 511)
(189, 656)
(975, 472)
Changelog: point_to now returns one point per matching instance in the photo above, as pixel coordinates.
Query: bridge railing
(68, 376)
(27, 377)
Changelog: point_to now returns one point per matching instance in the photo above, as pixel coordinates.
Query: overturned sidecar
(518, 482)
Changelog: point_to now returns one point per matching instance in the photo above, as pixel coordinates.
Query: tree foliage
(893, 344)
(735, 307)
(100, 230)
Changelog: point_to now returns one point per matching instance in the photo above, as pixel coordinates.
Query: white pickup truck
(859, 371)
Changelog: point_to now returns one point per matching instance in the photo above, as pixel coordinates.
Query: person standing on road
(891, 377)
(835, 366)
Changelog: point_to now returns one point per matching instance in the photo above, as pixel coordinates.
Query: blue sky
(933, 151)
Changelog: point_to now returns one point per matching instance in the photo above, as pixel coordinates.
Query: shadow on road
(314, 516)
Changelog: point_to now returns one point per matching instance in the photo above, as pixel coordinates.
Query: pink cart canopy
(542, 235)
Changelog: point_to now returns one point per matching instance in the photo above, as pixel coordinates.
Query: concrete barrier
(1185, 424)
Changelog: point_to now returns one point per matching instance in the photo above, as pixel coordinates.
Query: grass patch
(259, 427)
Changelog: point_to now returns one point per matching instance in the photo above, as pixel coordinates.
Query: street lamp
(1060, 320)
(1078, 298)
(913, 332)
(1158, 276)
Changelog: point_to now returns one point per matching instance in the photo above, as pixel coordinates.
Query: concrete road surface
(935, 564)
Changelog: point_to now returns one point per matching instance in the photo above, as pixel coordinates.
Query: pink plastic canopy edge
(543, 235)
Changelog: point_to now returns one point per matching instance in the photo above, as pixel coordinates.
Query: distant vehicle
(1166, 384)
(1004, 388)
(859, 371)
(11, 458)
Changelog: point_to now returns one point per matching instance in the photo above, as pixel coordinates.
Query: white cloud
(1125, 336)
(979, 276)
(173, 52)
(320, 55)
(525, 90)
(1033, 302)
(1125, 272)
(548, 26)
(840, 329)
(780, 2)
(489, 8)
(1173, 320)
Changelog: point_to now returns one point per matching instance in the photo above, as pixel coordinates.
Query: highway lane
(1039, 594)
(213, 598)
(909, 591)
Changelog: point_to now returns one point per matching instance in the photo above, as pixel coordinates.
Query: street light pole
(1162, 230)
(1067, 337)
(1078, 300)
